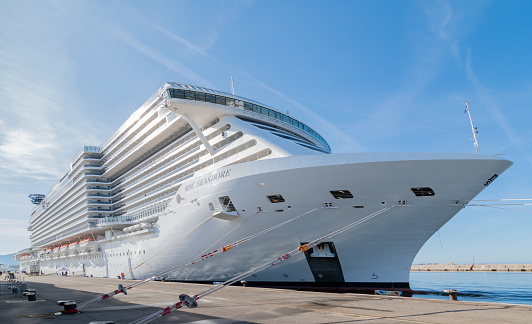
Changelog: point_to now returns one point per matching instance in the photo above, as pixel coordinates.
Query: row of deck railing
(159, 208)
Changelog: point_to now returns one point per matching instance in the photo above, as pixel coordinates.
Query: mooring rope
(506, 199)
(174, 242)
(188, 301)
(510, 209)
(202, 257)
(500, 203)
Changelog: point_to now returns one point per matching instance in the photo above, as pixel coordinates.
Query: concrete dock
(242, 305)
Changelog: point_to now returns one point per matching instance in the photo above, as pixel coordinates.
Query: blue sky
(384, 76)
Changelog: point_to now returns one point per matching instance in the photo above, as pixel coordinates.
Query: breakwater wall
(476, 267)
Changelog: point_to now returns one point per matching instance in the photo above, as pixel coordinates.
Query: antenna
(232, 85)
(473, 128)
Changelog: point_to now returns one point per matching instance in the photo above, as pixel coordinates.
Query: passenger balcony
(93, 173)
(99, 209)
(94, 189)
(95, 202)
(93, 168)
(96, 181)
(91, 157)
(99, 195)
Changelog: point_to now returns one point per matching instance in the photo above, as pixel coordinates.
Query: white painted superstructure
(194, 169)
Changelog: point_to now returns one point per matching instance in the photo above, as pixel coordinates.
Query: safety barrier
(12, 289)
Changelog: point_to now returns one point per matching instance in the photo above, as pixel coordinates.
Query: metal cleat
(121, 289)
(188, 301)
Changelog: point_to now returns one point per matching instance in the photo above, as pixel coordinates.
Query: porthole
(423, 191)
(341, 194)
(276, 199)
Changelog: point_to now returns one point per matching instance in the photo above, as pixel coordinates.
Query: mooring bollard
(453, 293)
(244, 283)
(31, 294)
(68, 305)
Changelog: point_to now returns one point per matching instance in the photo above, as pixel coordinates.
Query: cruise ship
(195, 169)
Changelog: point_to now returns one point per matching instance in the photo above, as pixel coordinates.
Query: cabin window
(276, 199)
(220, 100)
(341, 194)
(190, 95)
(248, 106)
(180, 94)
(423, 191)
(200, 96)
(210, 98)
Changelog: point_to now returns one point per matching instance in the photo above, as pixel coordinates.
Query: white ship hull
(377, 253)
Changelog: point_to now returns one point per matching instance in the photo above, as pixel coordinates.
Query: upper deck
(191, 92)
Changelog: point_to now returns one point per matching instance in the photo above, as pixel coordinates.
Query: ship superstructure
(194, 168)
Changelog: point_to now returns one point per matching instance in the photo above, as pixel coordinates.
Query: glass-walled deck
(237, 103)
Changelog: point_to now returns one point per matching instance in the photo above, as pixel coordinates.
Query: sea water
(496, 287)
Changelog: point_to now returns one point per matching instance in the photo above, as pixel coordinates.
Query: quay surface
(476, 267)
(238, 304)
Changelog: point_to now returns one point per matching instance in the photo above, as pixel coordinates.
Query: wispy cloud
(38, 120)
(439, 14)
(188, 45)
(172, 64)
(425, 64)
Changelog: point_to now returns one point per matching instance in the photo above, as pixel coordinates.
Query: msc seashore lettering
(208, 179)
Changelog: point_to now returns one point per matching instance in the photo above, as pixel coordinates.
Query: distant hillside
(8, 259)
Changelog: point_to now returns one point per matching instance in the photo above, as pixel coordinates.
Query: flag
(466, 108)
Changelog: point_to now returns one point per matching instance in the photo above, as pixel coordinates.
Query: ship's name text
(209, 179)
